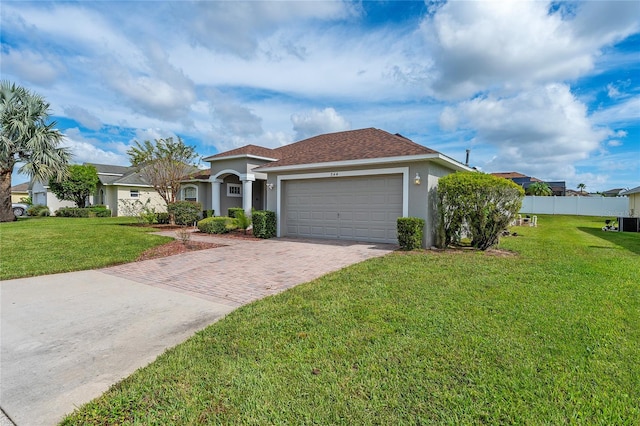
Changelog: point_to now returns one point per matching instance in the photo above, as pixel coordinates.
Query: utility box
(629, 224)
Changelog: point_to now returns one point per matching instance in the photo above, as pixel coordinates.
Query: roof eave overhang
(232, 157)
(437, 157)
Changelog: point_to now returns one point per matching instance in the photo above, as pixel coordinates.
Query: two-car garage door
(350, 208)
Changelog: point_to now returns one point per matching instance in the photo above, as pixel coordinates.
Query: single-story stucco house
(122, 184)
(634, 200)
(350, 185)
(117, 185)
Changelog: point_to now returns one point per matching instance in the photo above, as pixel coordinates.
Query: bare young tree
(163, 164)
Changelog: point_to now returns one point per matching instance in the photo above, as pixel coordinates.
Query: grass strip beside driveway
(39, 246)
(549, 336)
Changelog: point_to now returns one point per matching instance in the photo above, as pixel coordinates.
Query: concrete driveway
(66, 338)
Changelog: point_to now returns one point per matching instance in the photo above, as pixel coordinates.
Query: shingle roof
(515, 175)
(350, 145)
(341, 146)
(21, 187)
(258, 151)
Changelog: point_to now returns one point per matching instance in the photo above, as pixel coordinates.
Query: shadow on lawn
(627, 240)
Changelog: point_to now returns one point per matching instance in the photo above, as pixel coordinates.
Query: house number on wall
(334, 174)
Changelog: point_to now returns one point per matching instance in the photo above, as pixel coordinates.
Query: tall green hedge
(410, 232)
(264, 224)
(479, 204)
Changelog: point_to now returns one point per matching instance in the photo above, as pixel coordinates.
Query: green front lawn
(548, 336)
(37, 246)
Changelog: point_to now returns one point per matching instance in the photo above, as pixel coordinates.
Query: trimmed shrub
(479, 203)
(410, 231)
(185, 212)
(162, 218)
(207, 213)
(264, 224)
(217, 225)
(83, 212)
(38, 210)
(233, 210)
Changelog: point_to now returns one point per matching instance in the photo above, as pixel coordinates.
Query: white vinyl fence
(580, 206)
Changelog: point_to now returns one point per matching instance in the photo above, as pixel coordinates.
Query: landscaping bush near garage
(38, 210)
(217, 225)
(185, 212)
(264, 224)
(410, 231)
(95, 211)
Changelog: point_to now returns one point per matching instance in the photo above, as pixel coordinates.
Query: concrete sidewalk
(66, 338)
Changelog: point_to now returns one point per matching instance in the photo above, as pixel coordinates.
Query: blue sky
(548, 89)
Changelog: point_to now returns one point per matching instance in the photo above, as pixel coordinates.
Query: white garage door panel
(358, 208)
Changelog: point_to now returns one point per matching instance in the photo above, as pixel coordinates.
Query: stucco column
(215, 196)
(247, 196)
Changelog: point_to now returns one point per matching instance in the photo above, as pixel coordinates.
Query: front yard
(547, 335)
(37, 246)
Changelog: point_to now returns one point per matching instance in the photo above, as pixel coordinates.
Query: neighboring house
(634, 200)
(558, 188)
(118, 185)
(612, 192)
(122, 184)
(20, 191)
(349, 185)
(41, 195)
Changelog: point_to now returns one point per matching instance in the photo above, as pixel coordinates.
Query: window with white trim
(190, 193)
(234, 190)
(134, 193)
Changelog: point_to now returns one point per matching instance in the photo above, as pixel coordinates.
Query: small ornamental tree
(482, 204)
(164, 164)
(80, 182)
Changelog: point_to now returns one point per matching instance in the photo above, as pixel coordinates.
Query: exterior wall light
(270, 186)
(417, 179)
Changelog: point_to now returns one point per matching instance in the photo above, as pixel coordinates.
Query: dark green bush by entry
(410, 230)
(217, 225)
(185, 212)
(264, 224)
(95, 211)
(231, 212)
(162, 218)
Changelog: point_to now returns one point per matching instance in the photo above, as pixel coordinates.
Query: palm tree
(540, 189)
(26, 137)
(581, 187)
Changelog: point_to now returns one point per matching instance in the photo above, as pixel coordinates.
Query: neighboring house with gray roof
(349, 185)
(120, 185)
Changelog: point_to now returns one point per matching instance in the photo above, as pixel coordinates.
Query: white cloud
(487, 45)
(541, 132)
(32, 66)
(236, 27)
(86, 150)
(316, 122)
(83, 117)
